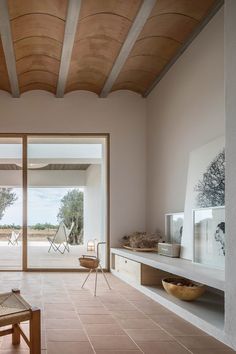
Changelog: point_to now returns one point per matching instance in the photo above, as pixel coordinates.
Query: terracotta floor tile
(212, 351)
(92, 310)
(153, 310)
(137, 324)
(82, 297)
(162, 348)
(69, 348)
(128, 314)
(150, 335)
(118, 351)
(54, 301)
(58, 335)
(59, 307)
(120, 306)
(14, 351)
(96, 319)
(7, 344)
(88, 303)
(58, 314)
(62, 324)
(120, 321)
(176, 325)
(103, 329)
(200, 342)
(112, 342)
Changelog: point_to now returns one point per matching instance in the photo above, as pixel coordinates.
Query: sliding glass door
(66, 194)
(10, 203)
(65, 201)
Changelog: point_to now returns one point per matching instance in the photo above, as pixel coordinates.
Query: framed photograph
(209, 237)
(174, 227)
(205, 186)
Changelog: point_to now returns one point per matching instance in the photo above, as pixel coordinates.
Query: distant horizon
(43, 206)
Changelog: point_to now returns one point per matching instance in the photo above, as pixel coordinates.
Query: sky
(43, 206)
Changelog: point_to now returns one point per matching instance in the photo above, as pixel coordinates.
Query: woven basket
(88, 262)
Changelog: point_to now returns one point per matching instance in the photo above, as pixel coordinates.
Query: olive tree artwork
(205, 186)
(211, 187)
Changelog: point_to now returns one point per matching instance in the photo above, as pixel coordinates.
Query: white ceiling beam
(6, 36)
(68, 43)
(128, 44)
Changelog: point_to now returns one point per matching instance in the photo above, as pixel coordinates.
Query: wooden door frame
(24, 137)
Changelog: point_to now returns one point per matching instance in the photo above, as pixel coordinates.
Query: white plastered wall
(185, 111)
(92, 204)
(122, 115)
(230, 112)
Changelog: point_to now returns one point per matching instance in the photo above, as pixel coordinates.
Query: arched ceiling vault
(96, 45)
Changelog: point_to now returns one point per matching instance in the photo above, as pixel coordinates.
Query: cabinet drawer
(130, 269)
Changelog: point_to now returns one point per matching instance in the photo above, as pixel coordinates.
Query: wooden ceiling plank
(68, 43)
(185, 45)
(128, 44)
(6, 36)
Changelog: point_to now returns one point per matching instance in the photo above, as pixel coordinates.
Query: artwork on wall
(209, 237)
(205, 187)
(174, 227)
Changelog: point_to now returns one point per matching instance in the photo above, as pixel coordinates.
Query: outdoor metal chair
(59, 242)
(14, 238)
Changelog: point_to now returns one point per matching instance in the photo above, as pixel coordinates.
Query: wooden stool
(93, 263)
(14, 310)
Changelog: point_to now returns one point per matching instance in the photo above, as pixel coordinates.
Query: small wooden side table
(14, 310)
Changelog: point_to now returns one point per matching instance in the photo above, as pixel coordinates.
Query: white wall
(185, 111)
(230, 83)
(122, 114)
(92, 204)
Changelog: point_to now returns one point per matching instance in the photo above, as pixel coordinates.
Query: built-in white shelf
(209, 307)
(214, 278)
(207, 312)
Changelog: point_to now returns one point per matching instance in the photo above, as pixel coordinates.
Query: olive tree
(72, 210)
(7, 198)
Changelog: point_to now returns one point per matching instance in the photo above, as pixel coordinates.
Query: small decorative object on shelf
(183, 289)
(141, 241)
(169, 249)
(174, 227)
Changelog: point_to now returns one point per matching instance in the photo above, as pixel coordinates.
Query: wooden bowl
(183, 289)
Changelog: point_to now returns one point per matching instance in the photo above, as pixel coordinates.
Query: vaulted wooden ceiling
(95, 45)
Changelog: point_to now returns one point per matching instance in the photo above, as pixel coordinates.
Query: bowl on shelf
(183, 289)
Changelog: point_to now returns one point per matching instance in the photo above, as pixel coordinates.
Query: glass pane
(66, 200)
(10, 203)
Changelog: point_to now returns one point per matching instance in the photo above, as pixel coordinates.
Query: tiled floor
(121, 321)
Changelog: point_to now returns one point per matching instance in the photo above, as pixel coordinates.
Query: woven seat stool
(14, 310)
(93, 264)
